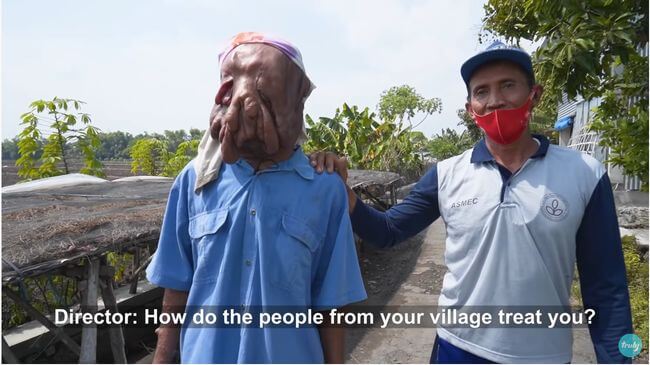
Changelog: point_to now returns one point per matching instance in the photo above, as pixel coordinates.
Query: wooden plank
(133, 287)
(139, 270)
(115, 332)
(89, 333)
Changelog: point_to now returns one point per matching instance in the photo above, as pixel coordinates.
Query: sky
(151, 65)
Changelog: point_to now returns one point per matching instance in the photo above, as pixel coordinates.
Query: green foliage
(367, 143)
(350, 132)
(419, 140)
(122, 262)
(401, 102)
(36, 162)
(184, 153)
(149, 155)
(45, 293)
(623, 126)
(374, 144)
(114, 145)
(637, 280)
(449, 143)
(196, 133)
(117, 145)
(175, 138)
(474, 133)
(152, 156)
(10, 149)
(591, 48)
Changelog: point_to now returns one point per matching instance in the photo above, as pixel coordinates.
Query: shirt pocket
(293, 255)
(208, 233)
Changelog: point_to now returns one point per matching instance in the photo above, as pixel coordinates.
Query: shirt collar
(480, 153)
(298, 162)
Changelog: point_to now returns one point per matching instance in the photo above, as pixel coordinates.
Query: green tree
(149, 156)
(400, 102)
(419, 140)
(593, 49)
(367, 143)
(449, 143)
(114, 145)
(474, 133)
(10, 149)
(196, 133)
(184, 153)
(175, 138)
(374, 144)
(350, 132)
(64, 131)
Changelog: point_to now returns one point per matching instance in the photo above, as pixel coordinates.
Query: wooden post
(34, 313)
(136, 273)
(89, 305)
(114, 331)
(136, 264)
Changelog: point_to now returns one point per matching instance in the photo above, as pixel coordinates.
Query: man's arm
(406, 219)
(172, 267)
(168, 347)
(332, 340)
(602, 274)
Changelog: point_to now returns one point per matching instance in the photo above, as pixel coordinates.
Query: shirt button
(253, 212)
(248, 262)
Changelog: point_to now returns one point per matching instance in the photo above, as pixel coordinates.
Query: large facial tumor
(259, 104)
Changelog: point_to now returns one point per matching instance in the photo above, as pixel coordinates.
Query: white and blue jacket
(513, 240)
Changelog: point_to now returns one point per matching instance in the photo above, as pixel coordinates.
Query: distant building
(573, 119)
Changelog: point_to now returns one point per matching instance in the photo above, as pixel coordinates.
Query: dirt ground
(409, 274)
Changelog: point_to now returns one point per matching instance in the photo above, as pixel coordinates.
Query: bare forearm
(352, 198)
(333, 342)
(167, 347)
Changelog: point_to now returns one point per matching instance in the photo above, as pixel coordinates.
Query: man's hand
(332, 163)
(167, 347)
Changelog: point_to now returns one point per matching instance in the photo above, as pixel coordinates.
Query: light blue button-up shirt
(277, 237)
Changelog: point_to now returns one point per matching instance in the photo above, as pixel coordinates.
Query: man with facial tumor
(249, 226)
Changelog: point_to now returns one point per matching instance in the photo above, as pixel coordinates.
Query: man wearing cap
(519, 213)
(261, 233)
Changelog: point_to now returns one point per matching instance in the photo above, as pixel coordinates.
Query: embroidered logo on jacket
(554, 207)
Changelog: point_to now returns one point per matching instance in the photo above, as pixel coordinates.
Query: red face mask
(505, 126)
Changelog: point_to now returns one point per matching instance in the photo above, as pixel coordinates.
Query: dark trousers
(445, 353)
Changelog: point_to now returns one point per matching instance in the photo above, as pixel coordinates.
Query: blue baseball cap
(497, 51)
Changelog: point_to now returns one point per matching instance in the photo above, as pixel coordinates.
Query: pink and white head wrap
(285, 47)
